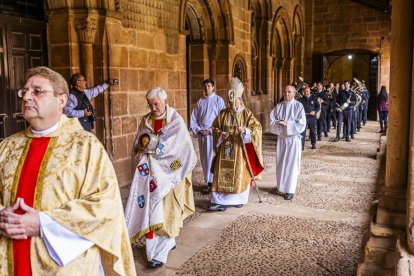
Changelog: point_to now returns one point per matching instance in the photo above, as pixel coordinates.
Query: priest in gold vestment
(237, 136)
(161, 194)
(60, 206)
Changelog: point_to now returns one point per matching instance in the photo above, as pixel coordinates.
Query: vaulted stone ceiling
(384, 5)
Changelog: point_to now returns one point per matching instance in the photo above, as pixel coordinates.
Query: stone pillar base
(378, 256)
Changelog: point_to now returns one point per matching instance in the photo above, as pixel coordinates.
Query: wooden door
(23, 45)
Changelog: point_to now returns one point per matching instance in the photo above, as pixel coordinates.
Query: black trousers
(345, 118)
(311, 124)
(322, 124)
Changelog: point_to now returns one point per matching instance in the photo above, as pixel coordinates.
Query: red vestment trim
(158, 124)
(254, 160)
(26, 190)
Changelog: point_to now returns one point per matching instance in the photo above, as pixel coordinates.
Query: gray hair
(157, 91)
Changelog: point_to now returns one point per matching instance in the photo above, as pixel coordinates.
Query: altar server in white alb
(288, 121)
(206, 110)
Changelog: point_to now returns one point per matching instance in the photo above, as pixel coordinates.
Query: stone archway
(259, 26)
(281, 52)
(239, 69)
(359, 63)
(209, 30)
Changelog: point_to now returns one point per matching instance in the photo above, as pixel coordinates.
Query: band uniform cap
(235, 88)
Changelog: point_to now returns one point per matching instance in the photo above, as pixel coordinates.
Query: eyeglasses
(34, 92)
(151, 106)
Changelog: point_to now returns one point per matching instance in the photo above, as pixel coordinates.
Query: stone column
(406, 18)
(392, 205)
(86, 28)
(212, 55)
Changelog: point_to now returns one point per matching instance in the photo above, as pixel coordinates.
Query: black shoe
(319, 138)
(288, 196)
(155, 264)
(347, 139)
(238, 205)
(326, 134)
(216, 207)
(336, 140)
(352, 137)
(313, 147)
(207, 189)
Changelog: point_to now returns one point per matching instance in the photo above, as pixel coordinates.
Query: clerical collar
(46, 131)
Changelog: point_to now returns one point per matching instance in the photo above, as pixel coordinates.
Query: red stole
(26, 189)
(158, 124)
(254, 160)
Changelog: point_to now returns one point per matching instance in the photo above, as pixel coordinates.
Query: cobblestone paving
(338, 177)
(258, 244)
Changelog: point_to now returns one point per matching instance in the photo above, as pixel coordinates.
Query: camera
(92, 116)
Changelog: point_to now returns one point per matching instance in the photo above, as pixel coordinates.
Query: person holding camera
(79, 104)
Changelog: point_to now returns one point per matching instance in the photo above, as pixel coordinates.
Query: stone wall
(146, 51)
(143, 44)
(341, 25)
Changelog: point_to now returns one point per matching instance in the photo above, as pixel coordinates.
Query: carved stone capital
(86, 28)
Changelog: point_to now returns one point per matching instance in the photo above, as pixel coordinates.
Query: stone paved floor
(319, 232)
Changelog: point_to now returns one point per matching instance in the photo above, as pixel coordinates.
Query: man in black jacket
(311, 106)
(79, 104)
(345, 101)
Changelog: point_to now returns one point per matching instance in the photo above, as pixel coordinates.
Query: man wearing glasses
(79, 104)
(161, 195)
(60, 208)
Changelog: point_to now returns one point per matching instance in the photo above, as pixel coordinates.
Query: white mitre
(235, 89)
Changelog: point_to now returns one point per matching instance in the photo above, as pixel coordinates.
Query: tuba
(357, 88)
(299, 87)
(330, 91)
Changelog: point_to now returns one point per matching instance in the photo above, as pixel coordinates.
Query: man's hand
(224, 135)
(15, 226)
(10, 227)
(204, 132)
(283, 123)
(312, 113)
(86, 113)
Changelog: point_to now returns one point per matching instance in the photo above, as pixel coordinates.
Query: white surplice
(202, 117)
(289, 147)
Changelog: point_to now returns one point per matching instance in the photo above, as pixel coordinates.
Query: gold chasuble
(231, 173)
(76, 186)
